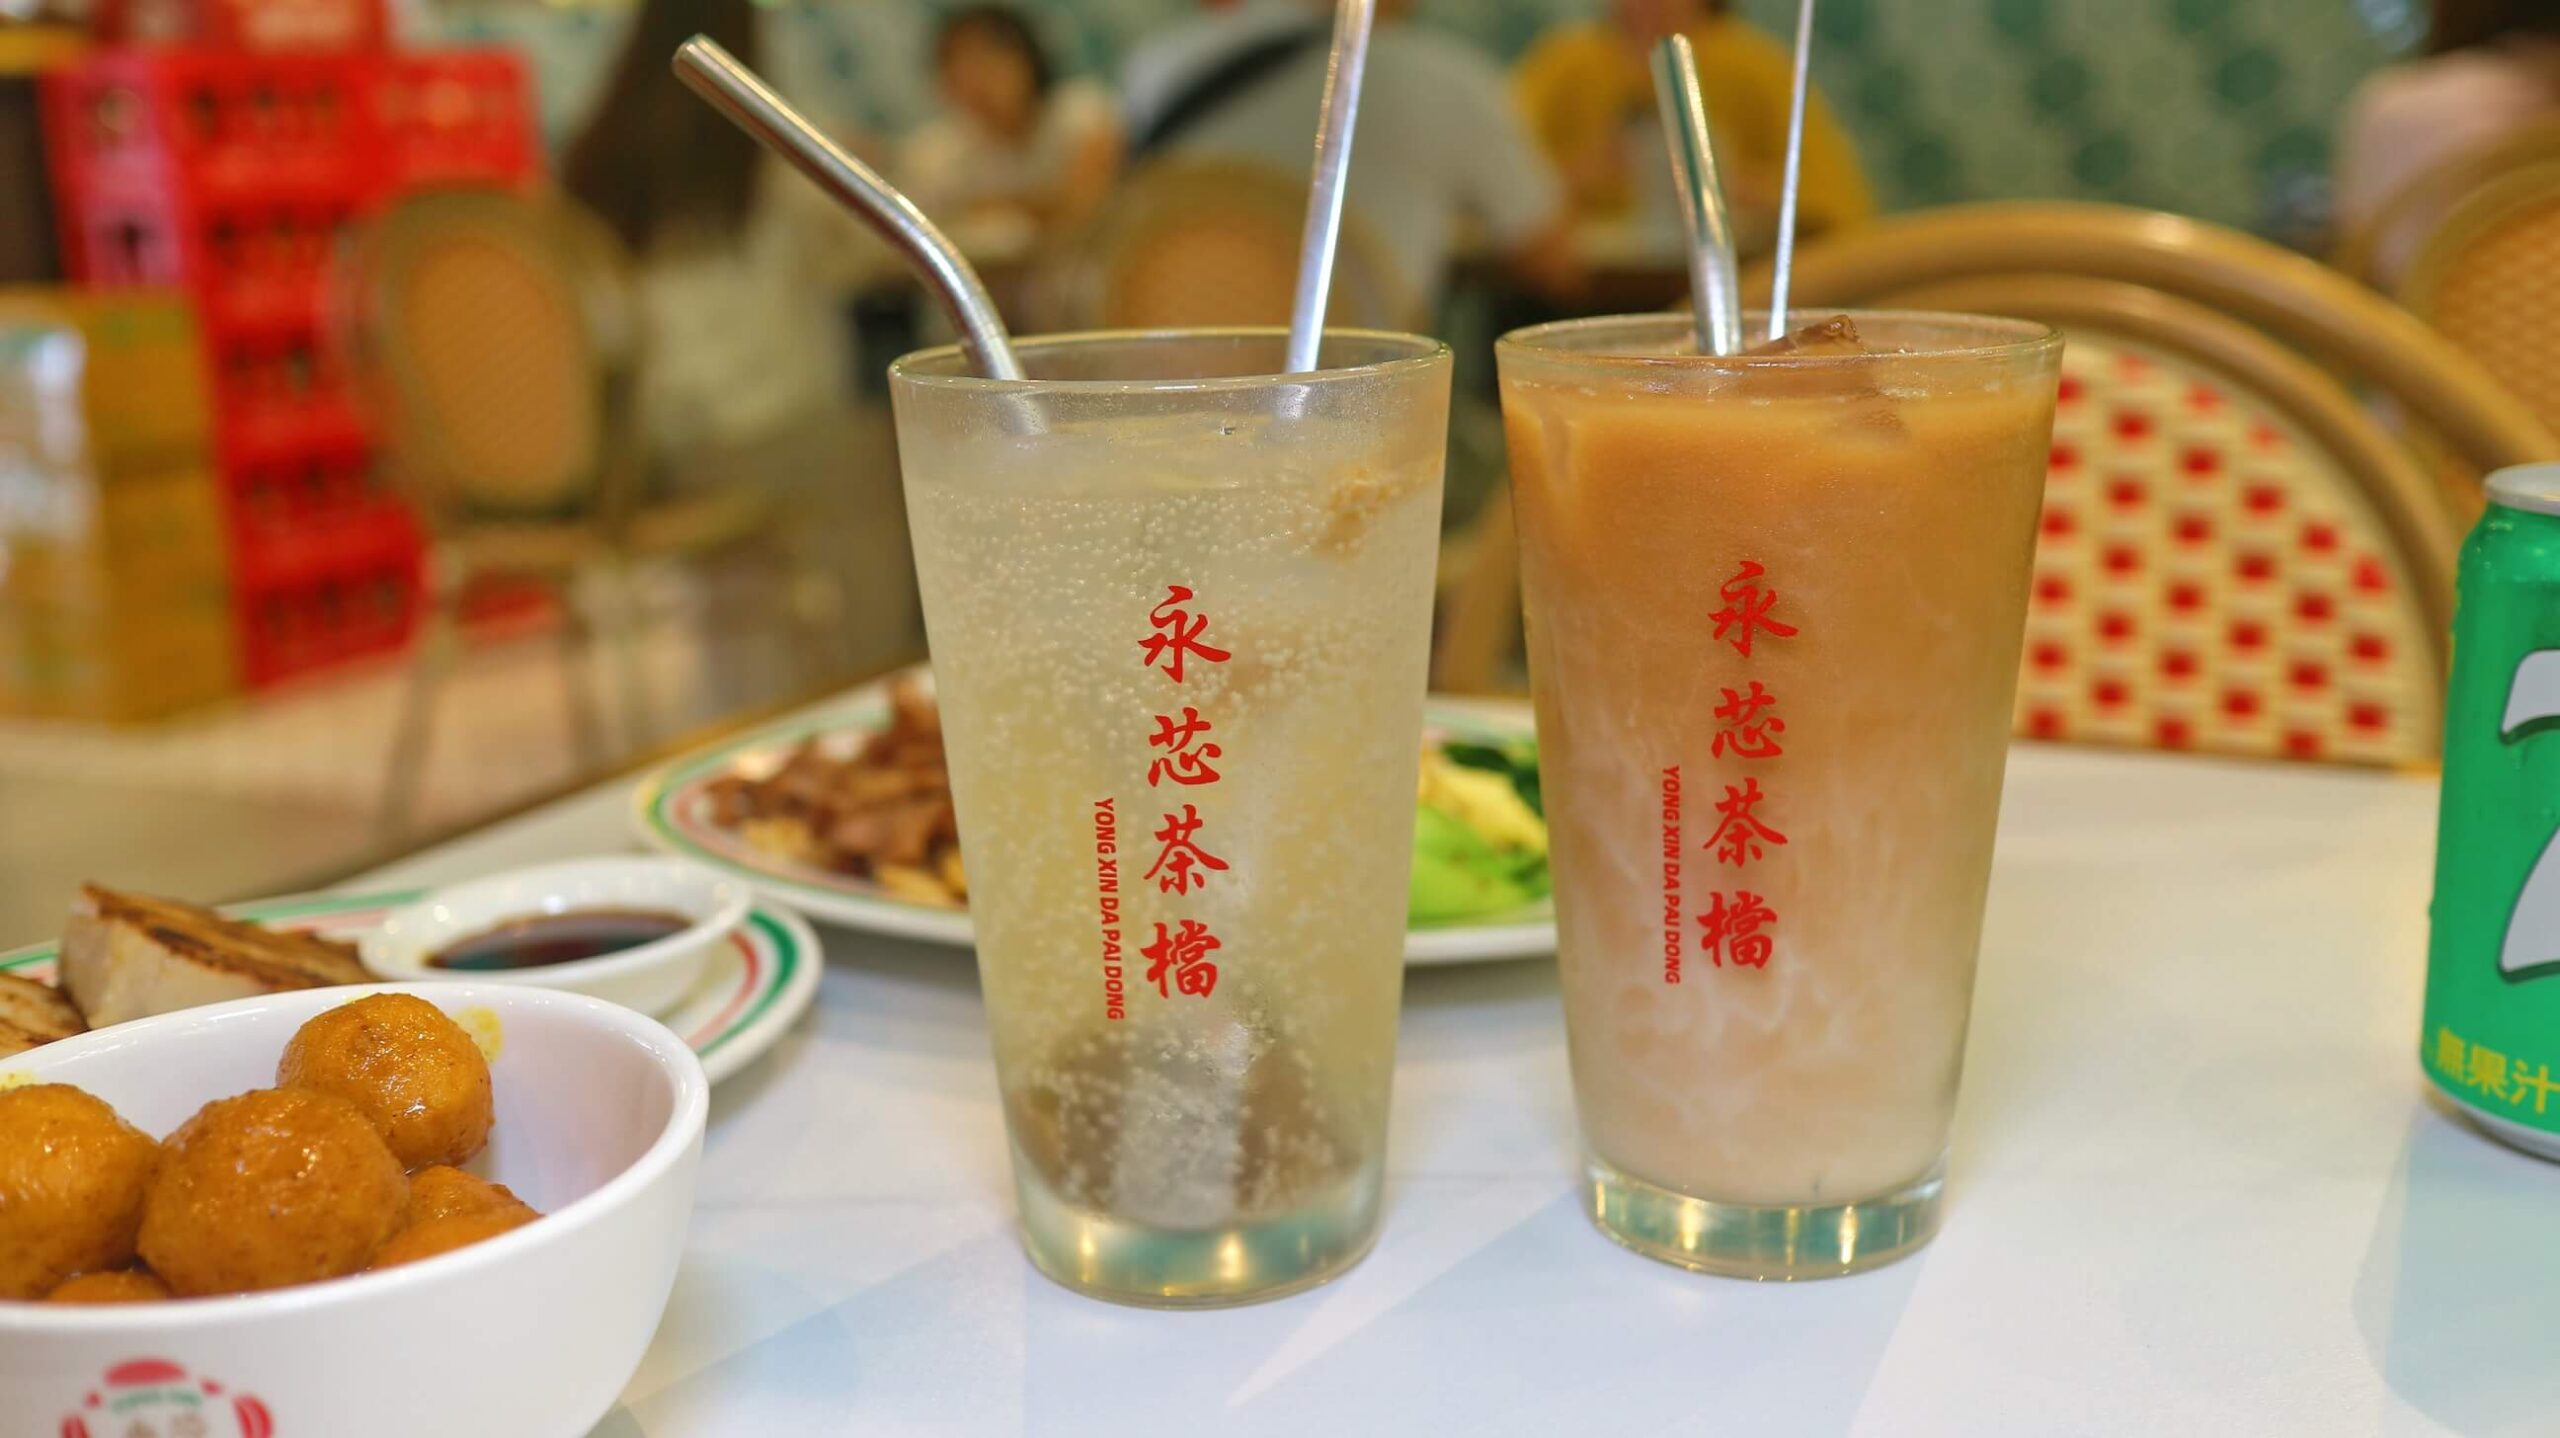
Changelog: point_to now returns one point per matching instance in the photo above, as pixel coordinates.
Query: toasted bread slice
(125, 957)
(32, 1014)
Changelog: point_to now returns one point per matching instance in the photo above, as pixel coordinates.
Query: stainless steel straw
(733, 90)
(1715, 276)
(1351, 23)
(1795, 174)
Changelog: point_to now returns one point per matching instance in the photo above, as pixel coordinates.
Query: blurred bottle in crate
(29, 251)
(115, 593)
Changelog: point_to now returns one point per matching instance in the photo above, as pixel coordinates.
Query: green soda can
(2492, 1036)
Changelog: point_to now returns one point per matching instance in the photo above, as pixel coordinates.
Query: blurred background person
(1171, 59)
(1441, 161)
(2492, 68)
(1587, 93)
(729, 249)
(744, 272)
(1015, 145)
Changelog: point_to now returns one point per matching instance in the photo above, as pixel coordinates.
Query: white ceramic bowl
(652, 977)
(531, 1334)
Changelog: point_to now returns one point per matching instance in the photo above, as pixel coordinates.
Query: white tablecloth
(2197, 1188)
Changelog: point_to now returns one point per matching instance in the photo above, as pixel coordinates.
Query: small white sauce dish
(651, 977)
(533, 1332)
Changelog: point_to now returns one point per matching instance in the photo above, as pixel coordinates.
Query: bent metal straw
(735, 91)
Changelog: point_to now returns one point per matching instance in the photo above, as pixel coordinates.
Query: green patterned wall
(2218, 108)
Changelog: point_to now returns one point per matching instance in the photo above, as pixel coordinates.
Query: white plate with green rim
(759, 982)
(672, 813)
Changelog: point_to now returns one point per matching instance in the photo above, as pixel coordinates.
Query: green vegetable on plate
(1479, 837)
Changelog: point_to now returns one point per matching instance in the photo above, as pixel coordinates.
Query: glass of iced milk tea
(1180, 609)
(1774, 608)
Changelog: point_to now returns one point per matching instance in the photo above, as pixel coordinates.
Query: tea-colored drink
(1774, 609)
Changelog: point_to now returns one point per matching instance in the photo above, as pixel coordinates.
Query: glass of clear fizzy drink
(1775, 603)
(2491, 1039)
(1179, 606)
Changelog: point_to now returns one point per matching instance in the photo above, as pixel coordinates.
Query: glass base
(1782, 1243)
(1110, 1258)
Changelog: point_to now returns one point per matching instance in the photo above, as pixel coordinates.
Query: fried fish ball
(271, 1188)
(448, 1232)
(72, 1179)
(407, 1066)
(121, 1285)
(445, 1192)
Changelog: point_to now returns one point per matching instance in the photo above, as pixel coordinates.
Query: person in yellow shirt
(1587, 95)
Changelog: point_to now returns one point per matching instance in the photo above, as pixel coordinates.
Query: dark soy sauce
(543, 939)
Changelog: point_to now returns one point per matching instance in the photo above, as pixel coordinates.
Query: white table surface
(2196, 1189)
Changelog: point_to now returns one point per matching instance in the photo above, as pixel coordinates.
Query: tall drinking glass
(1774, 608)
(1180, 609)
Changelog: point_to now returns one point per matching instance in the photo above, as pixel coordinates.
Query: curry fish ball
(412, 1070)
(123, 1285)
(444, 1192)
(271, 1188)
(72, 1179)
(454, 1230)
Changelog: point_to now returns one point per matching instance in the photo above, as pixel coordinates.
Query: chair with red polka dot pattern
(2473, 247)
(2235, 557)
(2209, 577)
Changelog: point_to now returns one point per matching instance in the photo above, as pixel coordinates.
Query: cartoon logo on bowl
(155, 1398)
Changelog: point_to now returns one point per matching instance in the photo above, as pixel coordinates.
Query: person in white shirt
(1158, 69)
(743, 270)
(1013, 140)
(740, 263)
(1440, 149)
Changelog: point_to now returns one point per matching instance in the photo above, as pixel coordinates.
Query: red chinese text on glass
(1180, 754)
(1737, 925)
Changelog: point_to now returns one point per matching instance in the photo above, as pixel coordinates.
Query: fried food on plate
(882, 814)
(125, 956)
(410, 1069)
(270, 1188)
(452, 1231)
(116, 1285)
(445, 1192)
(450, 1209)
(32, 1014)
(72, 1180)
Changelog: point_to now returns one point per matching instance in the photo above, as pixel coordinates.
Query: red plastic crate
(293, 628)
(292, 521)
(236, 176)
(266, 266)
(281, 398)
(450, 117)
(199, 125)
(245, 24)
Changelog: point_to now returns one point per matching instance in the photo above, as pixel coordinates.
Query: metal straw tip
(1330, 180)
(1715, 273)
(1783, 270)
